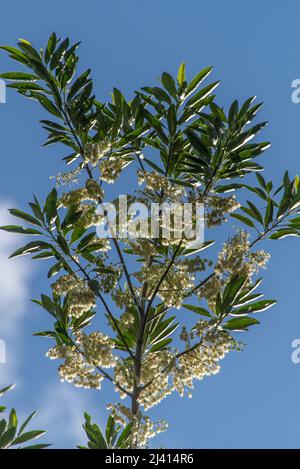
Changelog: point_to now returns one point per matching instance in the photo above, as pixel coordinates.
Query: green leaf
(233, 112)
(96, 439)
(284, 233)
(197, 309)
(16, 54)
(262, 181)
(255, 212)
(20, 229)
(40, 446)
(245, 299)
(196, 143)
(26, 422)
(195, 82)
(85, 241)
(29, 248)
(36, 209)
(249, 290)
(24, 216)
(29, 50)
(45, 334)
(181, 74)
(13, 419)
(58, 55)
(232, 289)
(269, 213)
(26, 87)
(3, 424)
(43, 255)
(110, 429)
(240, 324)
(154, 166)
(169, 83)
(171, 118)
(161, 344)
(47, 104)
(51, 206)
(50, 47)
(259, 306)
(63, 244)
(6, 389)
(157, 126)
(19, 76)
(48, 304)
(246, 106)
(55, 269)
(79, 84)
(243, 219)
(124, 435)
(190, 251)
(7, 438)
(28, 436)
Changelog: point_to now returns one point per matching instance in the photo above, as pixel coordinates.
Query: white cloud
(61, 415)
(61, 406)
(14, 294)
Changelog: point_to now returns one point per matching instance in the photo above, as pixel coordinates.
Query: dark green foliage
(115, 437)
(14, 435)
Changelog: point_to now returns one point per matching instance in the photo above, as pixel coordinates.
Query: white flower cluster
(204, 359)
(127, 319)
(218, 207)
(156, 364)
(75, 369)
(234, 258)
(158, 183)
(91, 192)
(65, 284)
(167, 374)
(94, 190)
(81, 361)
(163, 372)
(211, 288)
(173, 288)
(111, 168)
(88, 218)
(120, 413)
(196, 263)
(142, 427)
(97, 349)
(143, 247)
(69, 178)
(75, 197)
(122, 298)
(108, 278)
(94, 151)
(80, 301)
(124, 375)
(80, 298)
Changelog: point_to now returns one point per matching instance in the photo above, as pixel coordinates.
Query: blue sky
(254, 401)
